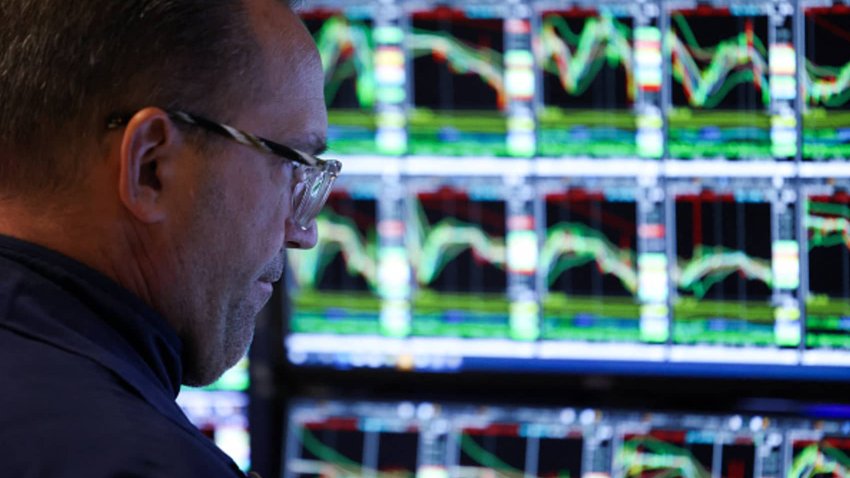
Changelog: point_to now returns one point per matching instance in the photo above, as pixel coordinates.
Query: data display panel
(719, 100)
(826, 77)
(587, 79)
(588, 86)
(723, 268)
(456, 238)
(701, 445)
(825, 218)
(344, 33)
(589, 261)
(223, 417)
(337, 286)
(441, 440)
(359, 439)
(665, 452)
(820, 456)
(220, 411)
(594, 273)
(736, 271)
(457, 89)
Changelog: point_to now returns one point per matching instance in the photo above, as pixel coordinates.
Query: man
(139, 236)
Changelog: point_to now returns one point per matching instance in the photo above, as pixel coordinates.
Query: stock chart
(220, 411)
(586, 58)
(721, 91)
(648, 188)
(586, 79)
(457, 248)
(560, 456)
(687, 453)
(665, 452)
(826, 121)
(828, 456)
(335, 447)
(828, 306)
(458, 90)
(566, 267)
(338, 446)
(497, 448)
(723, 274)
(610, 79)
(342, 438)
(347, 49)
(611, 181)
(337, 280)
(589, 258)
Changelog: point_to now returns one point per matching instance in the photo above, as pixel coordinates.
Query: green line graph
(347, 51)
(827, 221)
(495, 465)
(712, 264)
(642, 454)
(462, 58)
(819, 459)
(576, 58)
(335, 464)
(337, 235)
(827, 72)
(570, 245)
(588, 87)
(339, 463)
(432, 247)
(735, 61)
(827, 85)
(828, 224)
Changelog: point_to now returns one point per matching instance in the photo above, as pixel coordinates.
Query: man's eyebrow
(314, 144)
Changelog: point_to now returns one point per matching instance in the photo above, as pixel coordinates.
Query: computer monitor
(639, 188)
(440, 440)
(220, 411)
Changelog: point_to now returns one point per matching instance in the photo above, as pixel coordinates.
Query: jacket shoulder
(64, 415)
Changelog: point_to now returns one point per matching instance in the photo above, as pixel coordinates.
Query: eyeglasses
(314, 176)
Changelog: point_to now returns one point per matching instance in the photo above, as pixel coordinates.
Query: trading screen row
(442, 272)
(428, 440)
(220, 412)
(651, 79)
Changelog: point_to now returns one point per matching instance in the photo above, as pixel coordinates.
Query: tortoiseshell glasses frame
(314, 176)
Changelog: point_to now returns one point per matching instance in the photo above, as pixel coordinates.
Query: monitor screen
(347, 48)
(458, 100)
(586, 58)
(220, 411)
(824, 119)
(584, 186)
(407, 439)
(720, 86)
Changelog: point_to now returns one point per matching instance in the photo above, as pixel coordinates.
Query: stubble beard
(225, 342)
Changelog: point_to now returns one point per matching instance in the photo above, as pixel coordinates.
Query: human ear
(148, 148)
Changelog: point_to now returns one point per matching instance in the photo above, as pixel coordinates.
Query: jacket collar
(58, 300)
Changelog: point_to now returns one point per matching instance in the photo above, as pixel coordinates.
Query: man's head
(191, 222)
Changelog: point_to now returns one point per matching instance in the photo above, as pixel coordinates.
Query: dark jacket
(88, 377)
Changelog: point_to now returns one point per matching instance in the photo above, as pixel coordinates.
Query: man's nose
(298, 238)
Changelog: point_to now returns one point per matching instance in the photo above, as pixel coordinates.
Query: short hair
(65, 66)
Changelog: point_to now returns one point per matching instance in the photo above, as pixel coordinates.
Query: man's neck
(85, 236)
